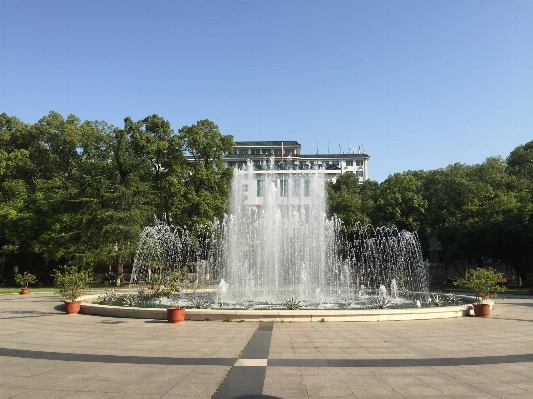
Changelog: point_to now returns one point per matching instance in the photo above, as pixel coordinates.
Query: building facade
(287, 156)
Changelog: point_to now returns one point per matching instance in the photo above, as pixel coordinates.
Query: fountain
(277, 250)
(277, 244)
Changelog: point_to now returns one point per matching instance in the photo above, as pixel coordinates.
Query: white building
(293, 179)
(288, 157)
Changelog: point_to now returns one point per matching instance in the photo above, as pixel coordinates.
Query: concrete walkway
(45, 353)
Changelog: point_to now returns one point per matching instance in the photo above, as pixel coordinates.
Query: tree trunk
(120, 272)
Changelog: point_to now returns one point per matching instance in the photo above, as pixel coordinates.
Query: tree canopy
(76, 192)
(478, 212)
(79, 192)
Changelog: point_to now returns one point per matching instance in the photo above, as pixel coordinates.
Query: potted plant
(171, 285)
(24, 280)
(482, 282)
(71, 282)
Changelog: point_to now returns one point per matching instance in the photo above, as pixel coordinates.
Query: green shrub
(71, 281)
(482, 282)
(25, 279)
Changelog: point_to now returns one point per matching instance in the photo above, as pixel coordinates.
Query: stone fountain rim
(316, 315)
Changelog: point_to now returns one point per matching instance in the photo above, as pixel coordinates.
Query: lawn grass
(16, 290)
(453, 288)
(434, 287)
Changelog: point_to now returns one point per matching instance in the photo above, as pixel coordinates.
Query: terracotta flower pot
(24, 291)
(482, 310)
(175, 315)
(486, 296)
(154, 286)
(72, 307)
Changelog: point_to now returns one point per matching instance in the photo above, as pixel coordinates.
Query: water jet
(277, 252)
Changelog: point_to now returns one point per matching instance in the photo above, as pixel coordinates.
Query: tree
(520, 163)
(207, 180)
(401, 202)
(127, 206)
(483, 212)
(15, 168)
(347, 201)
(511, 227)
(154, 142)
(454, 195)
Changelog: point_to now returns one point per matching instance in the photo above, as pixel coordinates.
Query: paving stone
(102, 357)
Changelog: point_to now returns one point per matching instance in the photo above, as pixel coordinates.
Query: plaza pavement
(45, 353)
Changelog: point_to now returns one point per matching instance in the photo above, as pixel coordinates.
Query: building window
(359, 173)
(283, 188)
(307, 188)
(335, 163)
(256, 152)
(243, 152)
(358, 163)
(259, 188)
(349, 163)
(266, 152)
(296, 188)
(277, 152)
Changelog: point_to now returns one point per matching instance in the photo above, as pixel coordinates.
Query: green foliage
(349, 200)
(79, 192)
(478, 212)
(24, 280)
(466, 209)
(207, 181)
(71, 281)
(401, 202)
(170, 284)
(529, 280)
(520, 162)
(482, 282)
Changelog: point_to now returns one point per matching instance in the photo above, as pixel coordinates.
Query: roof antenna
(340, 148)
(317, 148)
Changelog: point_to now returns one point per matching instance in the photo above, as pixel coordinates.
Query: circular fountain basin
(317, 315)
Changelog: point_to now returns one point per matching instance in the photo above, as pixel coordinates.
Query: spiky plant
(108, 296)
(453, 299)
(437, 299)
(130, 300)
(292, 304)
(199, 303)
(382, 302)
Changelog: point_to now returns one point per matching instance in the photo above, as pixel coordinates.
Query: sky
(417, 85)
